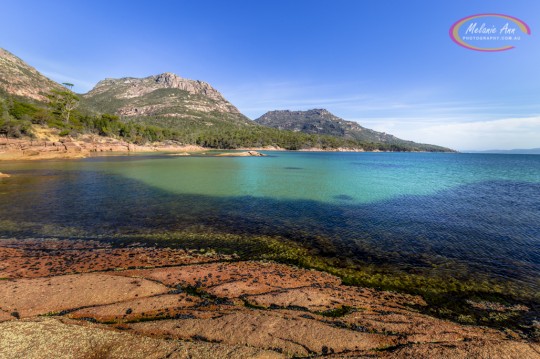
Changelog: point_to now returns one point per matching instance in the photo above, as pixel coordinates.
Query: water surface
(447, 214)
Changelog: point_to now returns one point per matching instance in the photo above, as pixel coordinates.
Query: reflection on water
(443, 214)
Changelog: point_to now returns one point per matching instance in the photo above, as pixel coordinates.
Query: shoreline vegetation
(47, 144)
(33, 130)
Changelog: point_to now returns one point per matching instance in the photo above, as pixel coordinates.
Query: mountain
(322, 122)
(167, 96)
(17, 78)
(164, 99)
(167, 107)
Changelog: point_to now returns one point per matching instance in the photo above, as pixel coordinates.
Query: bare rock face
(20, 79)
(84, 146)
(165, 95)
(170, 80)
(135, 87)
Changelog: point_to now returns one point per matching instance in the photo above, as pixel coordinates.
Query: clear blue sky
(388, 64)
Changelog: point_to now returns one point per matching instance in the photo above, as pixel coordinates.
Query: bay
(455, 215)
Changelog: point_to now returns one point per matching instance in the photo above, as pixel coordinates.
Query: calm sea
(476, 214)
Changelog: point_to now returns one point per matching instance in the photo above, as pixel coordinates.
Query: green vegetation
(63, 102)
(16, 118)
(162, 108)
(338, 312)
(322, 122)
(214, 129)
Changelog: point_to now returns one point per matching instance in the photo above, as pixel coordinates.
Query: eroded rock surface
(40, 258)
(60, 339)
(35, 296)
(83, 146)
(208, 306)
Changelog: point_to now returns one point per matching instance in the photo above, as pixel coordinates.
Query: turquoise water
(329, 177)
(476, 214)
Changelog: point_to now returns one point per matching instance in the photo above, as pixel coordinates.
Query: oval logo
(489, 32)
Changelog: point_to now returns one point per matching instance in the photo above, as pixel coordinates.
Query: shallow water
(447, 214)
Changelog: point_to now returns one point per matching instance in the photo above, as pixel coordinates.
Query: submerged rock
(242, 154)
(255, 153)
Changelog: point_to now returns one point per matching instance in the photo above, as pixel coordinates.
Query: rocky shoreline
(87, 299)
(25, 149)
(52, 146)
(69, 148)
(87, 146)
(47, 144)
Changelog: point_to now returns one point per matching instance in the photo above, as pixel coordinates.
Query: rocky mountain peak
(166, 94)
(129, 87)
(311, 112)
(319, 111)
(169, 79)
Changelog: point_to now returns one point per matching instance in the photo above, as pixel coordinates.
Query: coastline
(86, 146)
(310, 149)
(48, 144)
(76, 298)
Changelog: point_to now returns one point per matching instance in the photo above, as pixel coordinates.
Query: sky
(389, 65)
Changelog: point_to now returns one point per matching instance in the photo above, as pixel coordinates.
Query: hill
(163, 96)
(322, 122)
(167, 107)
(17, 78)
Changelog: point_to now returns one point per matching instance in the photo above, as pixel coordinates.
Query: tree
(63, 102)
(107, 124)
